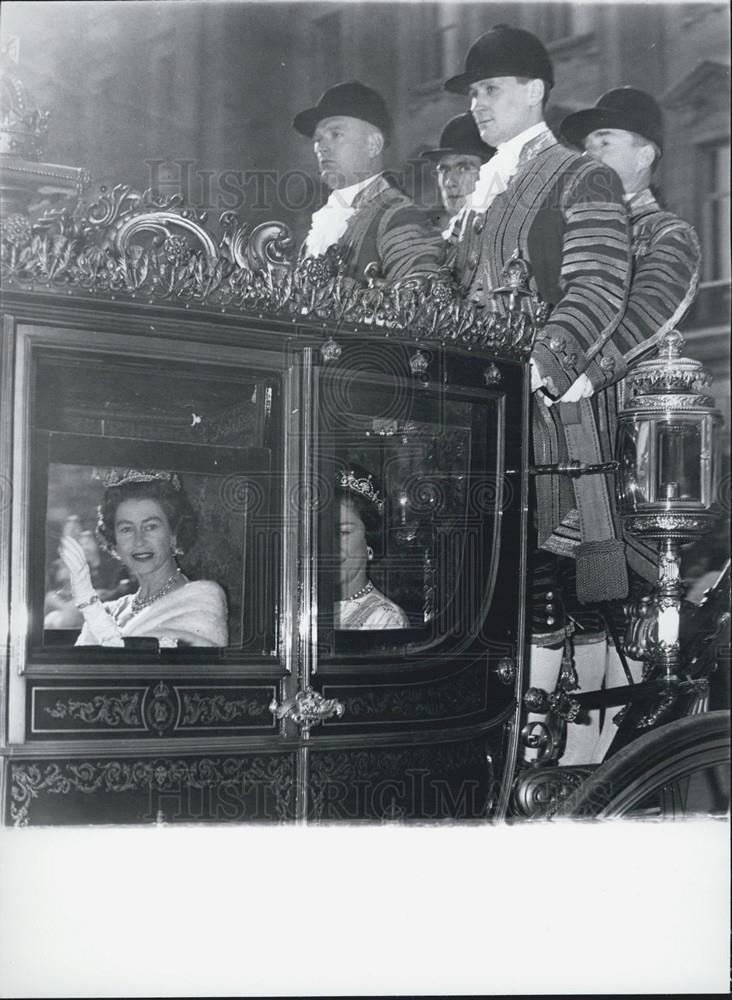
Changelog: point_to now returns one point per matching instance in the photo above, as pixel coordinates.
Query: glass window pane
(679, 462)
(716, 214)
(634, 465)
(187, 446)
(407, 542)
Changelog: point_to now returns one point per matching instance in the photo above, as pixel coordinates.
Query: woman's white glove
(73, 558)
(105, 629)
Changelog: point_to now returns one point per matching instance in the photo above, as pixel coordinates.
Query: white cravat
(497, 172)
(329, 223)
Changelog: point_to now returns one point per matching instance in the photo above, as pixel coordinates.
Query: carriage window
(151, 504)
(410, 538)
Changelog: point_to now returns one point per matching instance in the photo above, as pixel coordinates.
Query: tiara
(120, 477)
(362, 486)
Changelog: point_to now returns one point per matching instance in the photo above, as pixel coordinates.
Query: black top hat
(353, 99)
(626, 108)
(503, 51)
(461, 135)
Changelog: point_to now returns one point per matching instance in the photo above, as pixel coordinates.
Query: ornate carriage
(136, 334)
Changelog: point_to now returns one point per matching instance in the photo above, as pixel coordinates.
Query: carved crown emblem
(23, 126)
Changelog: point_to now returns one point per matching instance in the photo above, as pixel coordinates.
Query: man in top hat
(368, 218)
(459, 157)
(624, 130)
(565, 215)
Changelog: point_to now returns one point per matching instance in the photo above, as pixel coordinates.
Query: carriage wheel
(679, 769)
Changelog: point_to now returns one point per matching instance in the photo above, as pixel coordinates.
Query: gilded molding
(207, 710)
(668, 404)
(114, 710)
(28, 782)
(129, 245)
(462, 695)
(306, 709)
(698, 686)
(538, 793)
(661, 521)
(505, 670)
(666, 374)
(161, 708)
(410, 782)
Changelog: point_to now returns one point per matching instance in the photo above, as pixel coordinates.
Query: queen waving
(146, 521)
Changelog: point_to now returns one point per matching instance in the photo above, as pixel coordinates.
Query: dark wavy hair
(174, 502)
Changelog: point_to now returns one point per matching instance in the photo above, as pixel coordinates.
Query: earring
(175, 548)
(369, 552)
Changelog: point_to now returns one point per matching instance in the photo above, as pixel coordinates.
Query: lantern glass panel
(634, 461)
(679, 449)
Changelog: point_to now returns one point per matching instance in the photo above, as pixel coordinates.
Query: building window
(429, 52)
(439, 53)
(715, 213)
(164, 77)
(557, 21)
(449, 42)
(581, 18)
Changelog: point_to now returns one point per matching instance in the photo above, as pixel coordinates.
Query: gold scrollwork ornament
(306, 709)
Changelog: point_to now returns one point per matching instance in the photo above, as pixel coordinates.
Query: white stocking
(582, 737)
(544, 666)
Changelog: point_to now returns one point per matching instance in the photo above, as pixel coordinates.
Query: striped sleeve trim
(409, 246)
(663, 276)
(593, 277)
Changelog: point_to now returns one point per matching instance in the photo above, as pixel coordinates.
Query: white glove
(536, 380)
(73, 558)
(105, 629)
(581, 388)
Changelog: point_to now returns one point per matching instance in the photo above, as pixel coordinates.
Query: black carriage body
(258, 413)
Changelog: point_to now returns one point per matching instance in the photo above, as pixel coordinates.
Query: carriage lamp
(667, 452)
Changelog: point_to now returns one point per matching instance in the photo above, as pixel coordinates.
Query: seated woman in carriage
(361, 604)
(146, 521)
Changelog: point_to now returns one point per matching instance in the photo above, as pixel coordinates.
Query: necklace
(362, 592)
(138, 603)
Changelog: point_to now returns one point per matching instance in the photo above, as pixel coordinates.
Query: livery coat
(565, 215)
(390, 230)
(666, 267)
